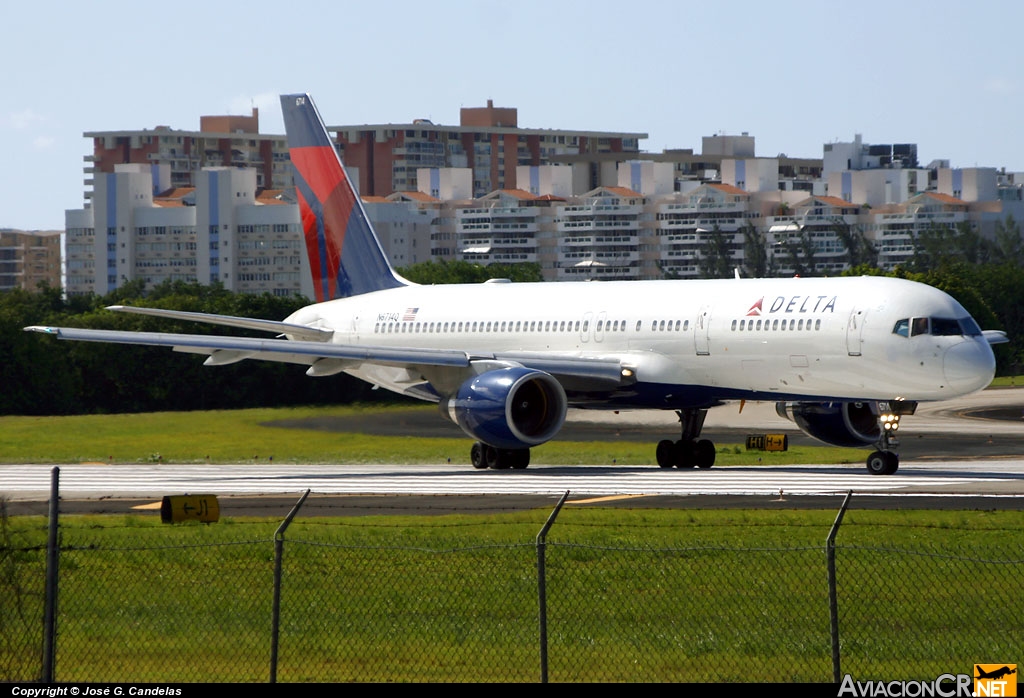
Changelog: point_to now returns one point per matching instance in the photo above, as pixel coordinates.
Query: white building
(217, 231)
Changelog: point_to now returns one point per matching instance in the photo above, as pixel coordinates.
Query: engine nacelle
(837, 423)
(512, 407)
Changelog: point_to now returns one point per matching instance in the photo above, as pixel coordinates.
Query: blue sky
(794, 74)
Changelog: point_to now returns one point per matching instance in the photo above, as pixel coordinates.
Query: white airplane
(843, 358)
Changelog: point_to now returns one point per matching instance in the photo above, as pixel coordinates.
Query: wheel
(704, 453)
(684, 454)
(665, 454)
(476, 455)
(883, 463)
(496, 458)
(520, 458)
(894, 462)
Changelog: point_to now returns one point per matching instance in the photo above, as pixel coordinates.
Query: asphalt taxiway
(967, 453)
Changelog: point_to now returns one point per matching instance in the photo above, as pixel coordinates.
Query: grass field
(240, 436)
(634, 595)
(641, 595)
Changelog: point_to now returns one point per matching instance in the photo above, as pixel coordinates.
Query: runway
(979, 478)
(988, 461)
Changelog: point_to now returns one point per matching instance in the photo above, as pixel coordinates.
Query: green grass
(633, 595)
(1008, 382)
(240, 436)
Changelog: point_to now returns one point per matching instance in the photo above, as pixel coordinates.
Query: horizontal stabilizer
(995, 336)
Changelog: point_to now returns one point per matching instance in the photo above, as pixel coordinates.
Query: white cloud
(26, 118)
(43, 142)
(999, 85)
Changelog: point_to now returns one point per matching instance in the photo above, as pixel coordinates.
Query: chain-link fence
(626, 595)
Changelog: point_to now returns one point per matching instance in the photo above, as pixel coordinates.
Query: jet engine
(512, 408)
(852, 424)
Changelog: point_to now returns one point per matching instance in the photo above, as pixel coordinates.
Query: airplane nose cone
(969, 366)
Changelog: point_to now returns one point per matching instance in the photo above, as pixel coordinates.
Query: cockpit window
(945, 327)
(937, 326)
(970, 327)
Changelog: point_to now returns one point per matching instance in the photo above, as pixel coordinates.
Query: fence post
(275, 616)
(50, 604)
(833, 599)
(542, 590)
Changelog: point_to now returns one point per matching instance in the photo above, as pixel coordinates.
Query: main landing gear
(885, 461)
(688, 451)
(483, 456)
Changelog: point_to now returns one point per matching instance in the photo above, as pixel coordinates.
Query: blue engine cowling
(837, 423)
(513, 407)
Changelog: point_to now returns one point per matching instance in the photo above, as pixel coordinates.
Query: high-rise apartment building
(29, 258)
(487, 141)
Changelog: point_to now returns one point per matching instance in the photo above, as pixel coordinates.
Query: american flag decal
(410, 314)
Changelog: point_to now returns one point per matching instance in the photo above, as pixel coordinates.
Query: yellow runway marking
(612, 498)
(154, 505)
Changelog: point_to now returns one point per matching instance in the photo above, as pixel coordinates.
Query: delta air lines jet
(843, 358)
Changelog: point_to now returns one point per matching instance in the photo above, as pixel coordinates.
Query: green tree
(462, 272)
(716, 260)
(755, 252)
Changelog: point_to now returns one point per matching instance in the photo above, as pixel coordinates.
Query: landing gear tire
(483, 456)
(704, 454)
(665, 454)
(519, 458)
(883, 463)
(684, 454)
(476, 455)
(688, 451)
(494, 459)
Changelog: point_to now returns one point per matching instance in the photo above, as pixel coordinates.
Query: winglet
(41, 328)
(345, 256)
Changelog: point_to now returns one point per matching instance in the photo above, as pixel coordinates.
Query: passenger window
(734, 325)
(902, 327)
(919, 325)
(639, 324)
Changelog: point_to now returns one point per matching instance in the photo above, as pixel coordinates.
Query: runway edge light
(190, 507)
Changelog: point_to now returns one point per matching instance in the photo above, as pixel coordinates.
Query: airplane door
(855, 331)
(599, 328)
(700, 331)
(585, 327)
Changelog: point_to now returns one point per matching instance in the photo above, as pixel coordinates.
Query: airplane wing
(223, 350)
(315, 334)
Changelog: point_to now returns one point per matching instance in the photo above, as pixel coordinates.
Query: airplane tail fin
(345, 256)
